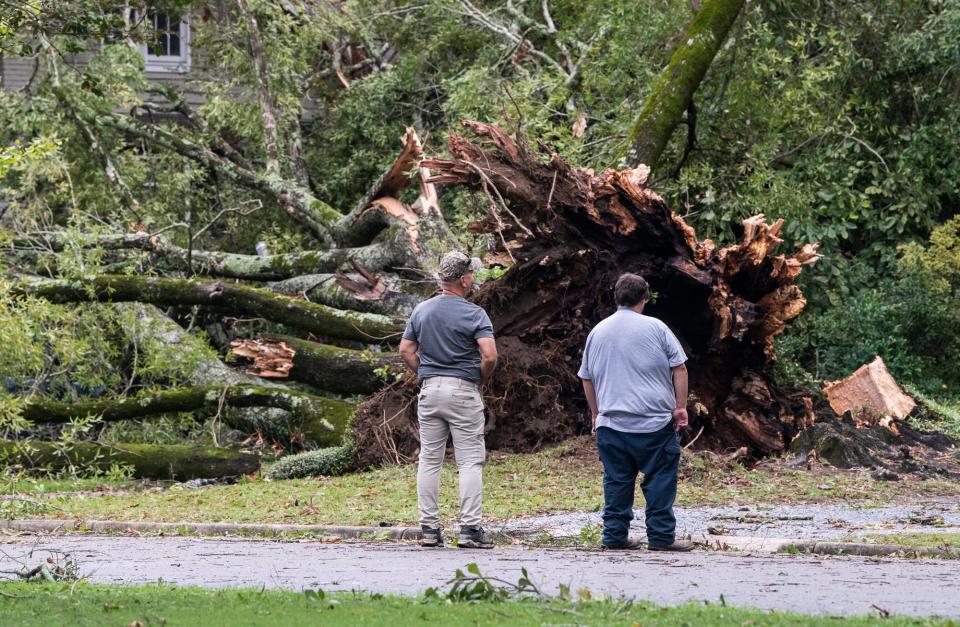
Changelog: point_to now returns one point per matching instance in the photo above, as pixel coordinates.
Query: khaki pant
(449, 406)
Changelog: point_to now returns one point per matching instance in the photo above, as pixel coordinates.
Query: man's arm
(680, 418)
(488, 357)
(408, 351)
(591, 394)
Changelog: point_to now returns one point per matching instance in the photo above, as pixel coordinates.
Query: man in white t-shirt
(635, 381)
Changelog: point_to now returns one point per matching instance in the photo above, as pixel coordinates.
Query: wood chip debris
(272, 360)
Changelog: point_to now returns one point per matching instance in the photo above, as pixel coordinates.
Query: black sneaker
(474, 537)
(432, 537)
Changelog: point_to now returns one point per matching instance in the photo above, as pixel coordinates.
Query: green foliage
(84, 603)
(175, 429)
(911, 319)
(935, 415)
(326, 462)
(475, 587)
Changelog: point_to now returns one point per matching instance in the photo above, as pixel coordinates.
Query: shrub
(328, 462)
(912, 320)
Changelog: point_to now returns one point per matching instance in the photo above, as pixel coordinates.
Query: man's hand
(680, 419)
(593, 423)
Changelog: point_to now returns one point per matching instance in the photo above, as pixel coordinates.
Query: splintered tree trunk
(572, 233)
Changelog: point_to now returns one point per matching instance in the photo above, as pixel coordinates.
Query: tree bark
(154, 337)
(149, 461)
(352, 291)
(383, 255)
(340, 370)
(573, 234)
(672, 91)
(321, 420)
(317, 319)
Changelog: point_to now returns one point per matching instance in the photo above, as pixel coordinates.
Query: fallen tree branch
(330, 290)
(148, 461)
(323, 420)
(268, 115)
(317, 319)
(341, 370)
(381, 255)
(299, 203)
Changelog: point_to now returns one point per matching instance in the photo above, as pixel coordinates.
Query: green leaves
(475, 587)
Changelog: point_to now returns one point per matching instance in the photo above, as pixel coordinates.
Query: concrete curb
(744, 544)
(210, 529)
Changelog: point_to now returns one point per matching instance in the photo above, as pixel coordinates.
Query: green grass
(26, 604)
(938, 414)
(918, 540)
(564, 478)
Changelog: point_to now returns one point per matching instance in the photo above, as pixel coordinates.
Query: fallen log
(571, 233)
(149, 461)
(331, 368)
(321, 420)
(157, 338)
(299, 314)
(352, 291)
(385, 254)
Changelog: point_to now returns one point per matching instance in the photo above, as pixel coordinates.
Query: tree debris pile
(570, 233)
(890, 451)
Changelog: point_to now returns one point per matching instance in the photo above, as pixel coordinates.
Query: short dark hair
(630, 290)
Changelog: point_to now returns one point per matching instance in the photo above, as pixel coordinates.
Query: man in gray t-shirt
(635, 382)
(449, 343)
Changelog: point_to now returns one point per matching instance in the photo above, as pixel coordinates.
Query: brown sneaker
(632, 544)
(679, 546)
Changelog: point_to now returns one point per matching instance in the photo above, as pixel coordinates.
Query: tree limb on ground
(322, 420)
(148, 461)
(314, 318)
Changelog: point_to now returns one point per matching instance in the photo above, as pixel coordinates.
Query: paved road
(808, 584)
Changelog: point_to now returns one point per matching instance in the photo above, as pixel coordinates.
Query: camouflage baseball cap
(455, 264)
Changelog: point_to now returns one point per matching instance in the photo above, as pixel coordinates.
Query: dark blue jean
(657, 456)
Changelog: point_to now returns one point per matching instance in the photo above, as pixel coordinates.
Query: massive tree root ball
(569, 233)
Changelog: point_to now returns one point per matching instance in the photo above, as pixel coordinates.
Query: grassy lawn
(919, 540)
(563, 478)
(144, 606)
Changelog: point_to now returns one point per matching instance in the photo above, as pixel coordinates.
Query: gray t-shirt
(628, 357)
(447, 329)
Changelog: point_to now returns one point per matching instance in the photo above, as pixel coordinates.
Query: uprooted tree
(563, 234)
(567, 234)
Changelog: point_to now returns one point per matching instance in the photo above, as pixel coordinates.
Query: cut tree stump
(870, 393)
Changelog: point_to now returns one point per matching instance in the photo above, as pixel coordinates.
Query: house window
(167, 44)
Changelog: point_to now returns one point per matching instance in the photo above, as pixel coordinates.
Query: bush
(912, 320)
(327, 462)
